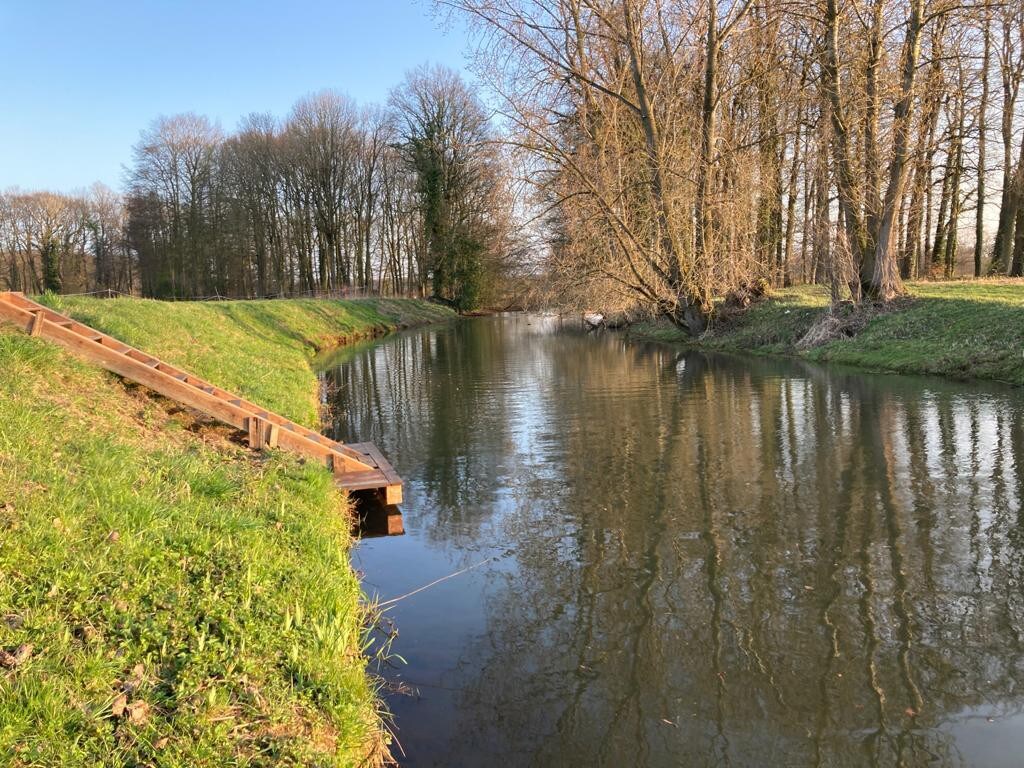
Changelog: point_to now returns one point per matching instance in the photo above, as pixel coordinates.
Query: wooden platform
(356, 466)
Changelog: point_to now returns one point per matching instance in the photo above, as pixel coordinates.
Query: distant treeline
(406, 199)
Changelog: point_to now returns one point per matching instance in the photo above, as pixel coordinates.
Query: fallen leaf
(138, 712)
(120, 704)
(113, 536)
(87, 633)
(160, 743)
(19, 656)
(138, 676)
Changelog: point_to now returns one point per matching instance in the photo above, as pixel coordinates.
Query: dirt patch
(746, 293)
(846, 321)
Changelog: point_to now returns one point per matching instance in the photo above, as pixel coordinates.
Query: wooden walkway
(356, 466)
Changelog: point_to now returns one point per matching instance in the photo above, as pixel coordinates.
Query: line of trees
(679, 150)
(70, 243)
(683, 149)
(408, 199)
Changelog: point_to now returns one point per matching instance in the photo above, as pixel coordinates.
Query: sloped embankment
(169, 597)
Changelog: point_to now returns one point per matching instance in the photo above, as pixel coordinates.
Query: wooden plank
(382, 464)
(360, 481)
(394, 525)
(393, 494)
(18, 317)
(262, 433)
(185, 393)
(348, 451)
(354, 469)
(389, 485)
(254, 428)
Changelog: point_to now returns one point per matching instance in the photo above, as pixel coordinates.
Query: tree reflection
(718, 561)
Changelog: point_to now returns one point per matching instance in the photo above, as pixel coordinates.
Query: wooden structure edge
(358, 466)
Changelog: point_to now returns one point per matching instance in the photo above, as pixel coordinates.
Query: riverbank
(169, 596)
(961, 330)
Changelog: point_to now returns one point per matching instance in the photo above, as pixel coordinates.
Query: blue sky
(79, 80)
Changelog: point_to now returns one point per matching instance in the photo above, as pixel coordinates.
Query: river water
(684, 559)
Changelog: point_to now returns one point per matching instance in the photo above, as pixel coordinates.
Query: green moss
(966, 329)
(208, 585)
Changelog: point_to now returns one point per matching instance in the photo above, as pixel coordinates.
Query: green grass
(154, 563)
(963, 329)
(259, 349)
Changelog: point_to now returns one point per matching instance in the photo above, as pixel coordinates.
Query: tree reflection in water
(703, 560)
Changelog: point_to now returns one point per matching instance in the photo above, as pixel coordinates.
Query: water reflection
(698, 560)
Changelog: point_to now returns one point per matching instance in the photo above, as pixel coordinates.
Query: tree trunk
(850, 214)
(952, 240)
(1017, 263)
(979, 218)
(690, 310)
(1004, 246)
(885, 282)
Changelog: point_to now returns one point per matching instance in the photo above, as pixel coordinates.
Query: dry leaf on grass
(138, 712)
(119, 706)
(17, 657)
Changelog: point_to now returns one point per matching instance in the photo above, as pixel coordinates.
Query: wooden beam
(364, 468)
(37, 324)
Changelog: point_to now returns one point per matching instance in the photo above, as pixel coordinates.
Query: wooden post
(37, 324)
(262, 433)
(257, 432)
(393, 523)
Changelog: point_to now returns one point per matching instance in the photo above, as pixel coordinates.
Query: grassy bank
(260, 349)
(964, 330)
(168, 597)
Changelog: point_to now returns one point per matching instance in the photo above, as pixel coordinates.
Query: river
(683, 559)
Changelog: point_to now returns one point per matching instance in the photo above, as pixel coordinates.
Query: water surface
(681, 559)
